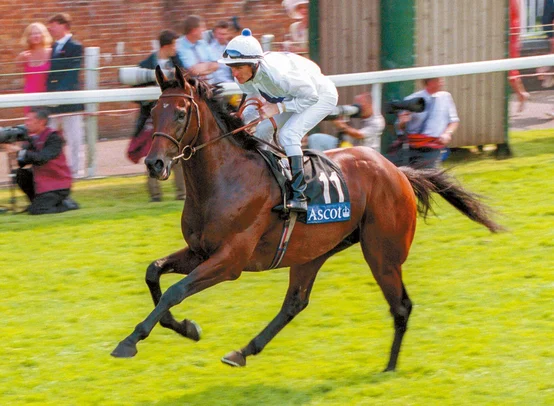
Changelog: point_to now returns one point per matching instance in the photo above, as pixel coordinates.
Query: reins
(189, 150)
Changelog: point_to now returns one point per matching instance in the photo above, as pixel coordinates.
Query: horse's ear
(160, 77)
(180, 78)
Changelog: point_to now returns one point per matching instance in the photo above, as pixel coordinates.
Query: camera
(134, 75)
(10, 135)
(350, 110)
(415, 105)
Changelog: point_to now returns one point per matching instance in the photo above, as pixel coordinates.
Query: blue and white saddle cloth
(328, 197)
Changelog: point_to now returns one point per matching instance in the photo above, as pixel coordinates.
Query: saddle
(327, 193)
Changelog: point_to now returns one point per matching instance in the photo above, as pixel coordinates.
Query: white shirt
(61, 42)
(372, 128)
(440, 110)
(287, 78)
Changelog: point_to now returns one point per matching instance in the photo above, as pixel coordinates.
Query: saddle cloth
(328, 197)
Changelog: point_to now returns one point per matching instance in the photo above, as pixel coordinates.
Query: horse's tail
(426, 181)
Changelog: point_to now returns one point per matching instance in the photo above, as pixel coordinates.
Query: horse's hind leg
(181, 262)
(301, 280)
(385, 257)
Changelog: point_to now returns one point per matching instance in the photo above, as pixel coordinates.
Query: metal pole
(376, 96)
(266, 41)
(92, 60)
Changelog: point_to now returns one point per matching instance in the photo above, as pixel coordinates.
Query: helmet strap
(254, 71)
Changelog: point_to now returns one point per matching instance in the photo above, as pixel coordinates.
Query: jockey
(298, 96)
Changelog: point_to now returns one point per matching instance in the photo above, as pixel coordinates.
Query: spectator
(167, 58)
(196, 55)
(35, 60)
(47, 184)
(297, 95)
(430, 131)
(369, 135)
(218, 44)
(66, 62)
(515, 52)
(298, 31)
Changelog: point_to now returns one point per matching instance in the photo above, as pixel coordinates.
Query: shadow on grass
(105, 202)
(262, 394)
(253, 394)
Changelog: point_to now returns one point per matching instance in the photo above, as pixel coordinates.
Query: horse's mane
(211, 94)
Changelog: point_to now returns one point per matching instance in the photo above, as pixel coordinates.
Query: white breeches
(292, 127)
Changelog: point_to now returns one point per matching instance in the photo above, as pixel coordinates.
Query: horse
(229, 227)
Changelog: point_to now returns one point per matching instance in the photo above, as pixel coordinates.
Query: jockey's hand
(269, 110)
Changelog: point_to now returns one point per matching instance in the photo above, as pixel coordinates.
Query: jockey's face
(242, 73)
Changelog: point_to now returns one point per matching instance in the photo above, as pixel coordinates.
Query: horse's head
(176, 120)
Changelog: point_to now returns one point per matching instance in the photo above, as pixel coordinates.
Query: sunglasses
(231, 53)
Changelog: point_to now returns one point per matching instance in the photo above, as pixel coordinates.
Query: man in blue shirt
(429, 131)
(195, 54)
(218, 45)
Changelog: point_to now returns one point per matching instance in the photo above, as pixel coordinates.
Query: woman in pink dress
(35, 60)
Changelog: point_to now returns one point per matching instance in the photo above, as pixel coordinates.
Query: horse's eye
(181, 115)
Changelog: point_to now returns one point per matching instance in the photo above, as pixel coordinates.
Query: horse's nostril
(159, 165)
(155, 167)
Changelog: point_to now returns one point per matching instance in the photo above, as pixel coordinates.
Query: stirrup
(300, 206)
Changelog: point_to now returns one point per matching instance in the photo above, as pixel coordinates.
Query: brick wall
(104, 23)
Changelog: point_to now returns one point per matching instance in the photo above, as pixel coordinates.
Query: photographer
(428, 132)
(168, 60)
(48, 182)
(369, 135)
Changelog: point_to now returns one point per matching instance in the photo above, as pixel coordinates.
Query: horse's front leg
(218, 268)
(301, 280)
(181, 262)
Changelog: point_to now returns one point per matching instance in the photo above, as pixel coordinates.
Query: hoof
(389, 369)
(235, 359)
(192, 330)
(124, 350)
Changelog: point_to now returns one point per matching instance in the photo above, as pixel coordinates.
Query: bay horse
(229, 227)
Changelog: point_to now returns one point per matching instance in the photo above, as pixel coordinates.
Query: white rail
(91, 97)
(350, 79)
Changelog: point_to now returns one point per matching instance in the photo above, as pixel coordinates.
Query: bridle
(189, 150)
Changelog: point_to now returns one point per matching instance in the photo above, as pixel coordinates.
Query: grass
(481, 331)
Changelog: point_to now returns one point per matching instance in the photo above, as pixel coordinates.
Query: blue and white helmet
(242, 49)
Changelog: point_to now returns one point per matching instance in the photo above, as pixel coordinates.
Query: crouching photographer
(368, 135)
(47, 183)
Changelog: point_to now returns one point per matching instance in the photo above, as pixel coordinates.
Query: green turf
(481, 331)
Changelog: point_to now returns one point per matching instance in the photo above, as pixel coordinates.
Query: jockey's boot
(298, 203)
